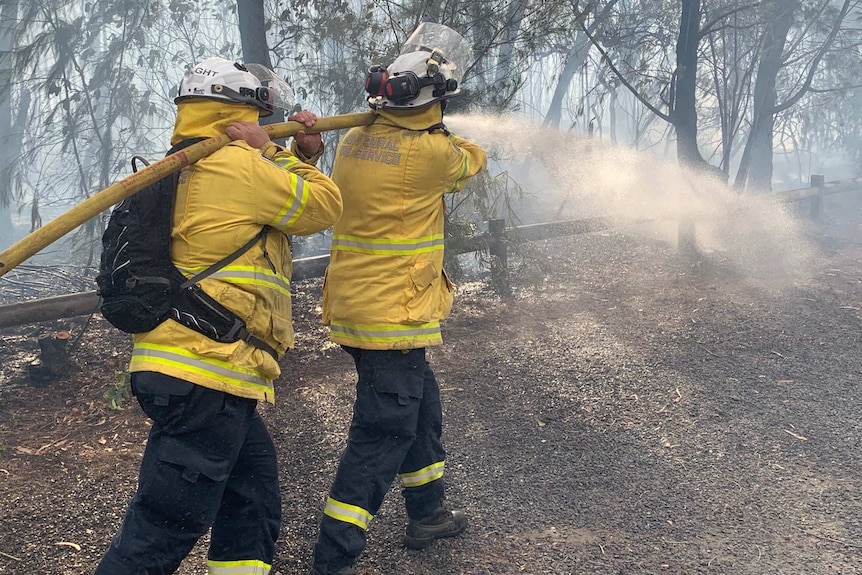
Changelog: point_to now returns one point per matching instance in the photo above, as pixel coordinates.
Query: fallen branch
(12, 557)
(708, 351)
(796, 435)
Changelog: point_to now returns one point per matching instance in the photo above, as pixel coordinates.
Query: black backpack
(138, 282)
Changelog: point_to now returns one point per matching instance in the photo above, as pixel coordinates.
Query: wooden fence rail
(495, 241)
(815, 192)
(85, 303)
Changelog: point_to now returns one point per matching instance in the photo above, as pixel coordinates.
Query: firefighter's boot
(442, 523)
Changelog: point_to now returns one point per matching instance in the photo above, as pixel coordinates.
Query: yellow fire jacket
(385, 287)
(222, 201)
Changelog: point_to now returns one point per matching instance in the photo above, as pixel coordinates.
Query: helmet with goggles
(219, 79)
(429, 69)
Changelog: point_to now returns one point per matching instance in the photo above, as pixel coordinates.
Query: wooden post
(499, 257)
(816, 205)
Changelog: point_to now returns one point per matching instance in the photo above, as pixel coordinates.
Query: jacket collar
(417, 120)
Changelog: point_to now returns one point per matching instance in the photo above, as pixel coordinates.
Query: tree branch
(607, 59)
(778, 108)
(710, 26)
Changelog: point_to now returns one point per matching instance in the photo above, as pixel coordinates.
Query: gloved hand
(309, 144)
(251, 132)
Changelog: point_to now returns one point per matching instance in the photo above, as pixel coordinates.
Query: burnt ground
(625, 412)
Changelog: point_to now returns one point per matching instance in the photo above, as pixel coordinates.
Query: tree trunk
(683, 111)
(510, 37)
(575, 58)
(9, 152)
(255, 48)
(755, 169)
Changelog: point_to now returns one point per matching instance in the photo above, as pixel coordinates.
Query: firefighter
(386, 292)
(209, 462)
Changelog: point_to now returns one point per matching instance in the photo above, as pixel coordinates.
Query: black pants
(396, 429)
(209, 463)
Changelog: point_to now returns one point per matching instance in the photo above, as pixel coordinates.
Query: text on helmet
(201, 71)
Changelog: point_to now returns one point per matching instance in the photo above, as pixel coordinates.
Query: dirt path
(624, 413)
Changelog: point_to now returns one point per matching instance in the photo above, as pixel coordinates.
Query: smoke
(572, 177)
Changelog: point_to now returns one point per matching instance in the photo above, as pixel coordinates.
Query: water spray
(642, 194)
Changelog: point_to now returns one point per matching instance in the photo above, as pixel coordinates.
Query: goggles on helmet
(278, 92)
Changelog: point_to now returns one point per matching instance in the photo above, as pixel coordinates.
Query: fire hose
(115, 193)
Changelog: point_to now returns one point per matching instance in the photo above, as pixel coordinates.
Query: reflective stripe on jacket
(223, 200)
(385, 287)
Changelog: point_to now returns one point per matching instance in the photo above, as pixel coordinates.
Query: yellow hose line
(115, 193)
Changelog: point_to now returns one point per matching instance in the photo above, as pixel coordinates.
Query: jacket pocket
(240, 302)
(423, 300)
(282, 329)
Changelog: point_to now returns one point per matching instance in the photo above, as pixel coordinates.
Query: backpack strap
(182, 144)
(135, 160)
(261, 235)
(237, 330)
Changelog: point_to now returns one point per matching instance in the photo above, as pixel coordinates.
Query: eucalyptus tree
(77, 61)
(733, 67)
(13, 116)
(795, 41)
(730, 54)
(831, 113)
(762, 58)
(661, 70)
(574, 45)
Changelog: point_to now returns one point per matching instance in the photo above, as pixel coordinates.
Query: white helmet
(252, 84)
(429, 68)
